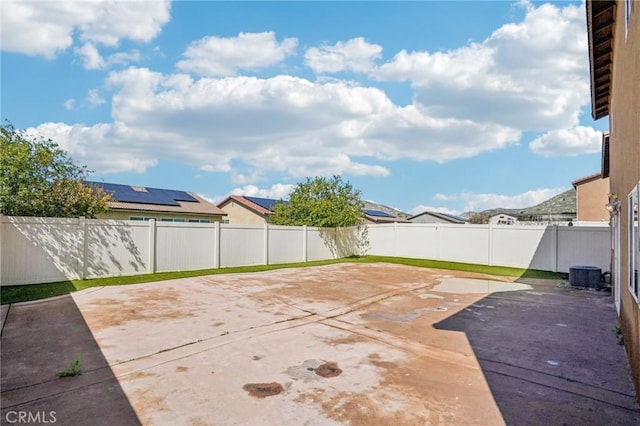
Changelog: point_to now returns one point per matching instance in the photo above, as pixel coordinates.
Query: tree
(322, 202)
(331, 204)
(478, 218)
(38, 179)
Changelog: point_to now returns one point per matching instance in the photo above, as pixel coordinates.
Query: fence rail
(38, 250)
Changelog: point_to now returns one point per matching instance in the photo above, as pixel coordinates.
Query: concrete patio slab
(338, 344)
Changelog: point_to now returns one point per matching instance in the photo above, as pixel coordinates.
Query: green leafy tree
(334, 206)
(323, 202)
(38, 179)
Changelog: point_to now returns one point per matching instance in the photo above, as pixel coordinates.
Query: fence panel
(523, 246)
(286, 244)
(318, 245)
(36, 250)
(382, 240)
(417, 241)
(185, 246)
(584, 246)
(464, 243)
(116, 247)
(241, 245)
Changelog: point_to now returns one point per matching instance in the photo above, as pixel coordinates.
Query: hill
(370, 205)
(563, 204)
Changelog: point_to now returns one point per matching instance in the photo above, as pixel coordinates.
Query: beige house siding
(127, 214)
(239, 214)
(624, 155)
(592, 197)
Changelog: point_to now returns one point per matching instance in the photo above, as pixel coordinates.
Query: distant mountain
(370, 205)
(563, 204)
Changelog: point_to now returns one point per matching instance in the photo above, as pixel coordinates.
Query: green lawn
(23, 293)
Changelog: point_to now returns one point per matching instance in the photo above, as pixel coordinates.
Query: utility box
(585, 276)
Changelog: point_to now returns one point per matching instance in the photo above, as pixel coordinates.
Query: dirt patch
(263, 390)
(328, 369)
(181, 369)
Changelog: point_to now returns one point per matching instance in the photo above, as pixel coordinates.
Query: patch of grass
(23, 293)
(73, 370)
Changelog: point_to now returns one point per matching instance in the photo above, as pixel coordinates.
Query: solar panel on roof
(377, 213)
(140, 195)
(265, 203)
(453, 216)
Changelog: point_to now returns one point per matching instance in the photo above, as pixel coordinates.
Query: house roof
(600, 22)
(139, 198)
(443, 216)
(378, 216)
(262, 206)
(586, 179)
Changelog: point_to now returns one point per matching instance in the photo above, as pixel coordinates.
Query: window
(140, 218)
(225, 220)
(173, 219)
(199, 221)
(634, 242)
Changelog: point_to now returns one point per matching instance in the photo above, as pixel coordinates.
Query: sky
(448, 106)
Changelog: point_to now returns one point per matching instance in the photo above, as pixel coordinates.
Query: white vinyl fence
(548, 248)
(39, 250)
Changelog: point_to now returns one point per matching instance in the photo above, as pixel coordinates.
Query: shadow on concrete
(38, 342)
(549, 355)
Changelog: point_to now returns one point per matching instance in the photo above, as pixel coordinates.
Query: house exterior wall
(127, 214)
(624, 157)
(592, 197)
(503, 219)
(239, 214)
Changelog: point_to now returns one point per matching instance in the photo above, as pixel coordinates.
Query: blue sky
(449, 106)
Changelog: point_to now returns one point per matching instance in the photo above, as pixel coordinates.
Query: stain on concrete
(263, 390)
(328, 369)
(181, 369)
(457, 285)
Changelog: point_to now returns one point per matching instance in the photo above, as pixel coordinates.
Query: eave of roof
(600, 21)
(586, 179)
(246, 203)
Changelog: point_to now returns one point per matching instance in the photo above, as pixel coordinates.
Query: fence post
(490, 238)
(152, 246)
(395, 239)
(556, 243)
(216, 244)
(266, 243)
(305, 254)
(82, 224)
(437, 241)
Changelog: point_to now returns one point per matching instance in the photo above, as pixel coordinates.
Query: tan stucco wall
(624, 122)
(125, 215)
(239, 214)
(592, 198)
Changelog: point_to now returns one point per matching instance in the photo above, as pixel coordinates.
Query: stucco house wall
(592, 198)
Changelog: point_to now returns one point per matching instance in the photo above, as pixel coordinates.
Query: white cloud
(353, 55)
(479, 202)
(68, 104)
(530, 75)
(91, 58)
(46, 28)
(570, 142)
(218, 56)
(277, 191)
(283, 124)
(445, 197)
(124, 58)
(94, 98)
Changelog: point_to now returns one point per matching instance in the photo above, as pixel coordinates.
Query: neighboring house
(378, 216)
(166, 205)
(614, 54)
(436, 217)
(248, 210)
(503, 219)
(592, 196)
